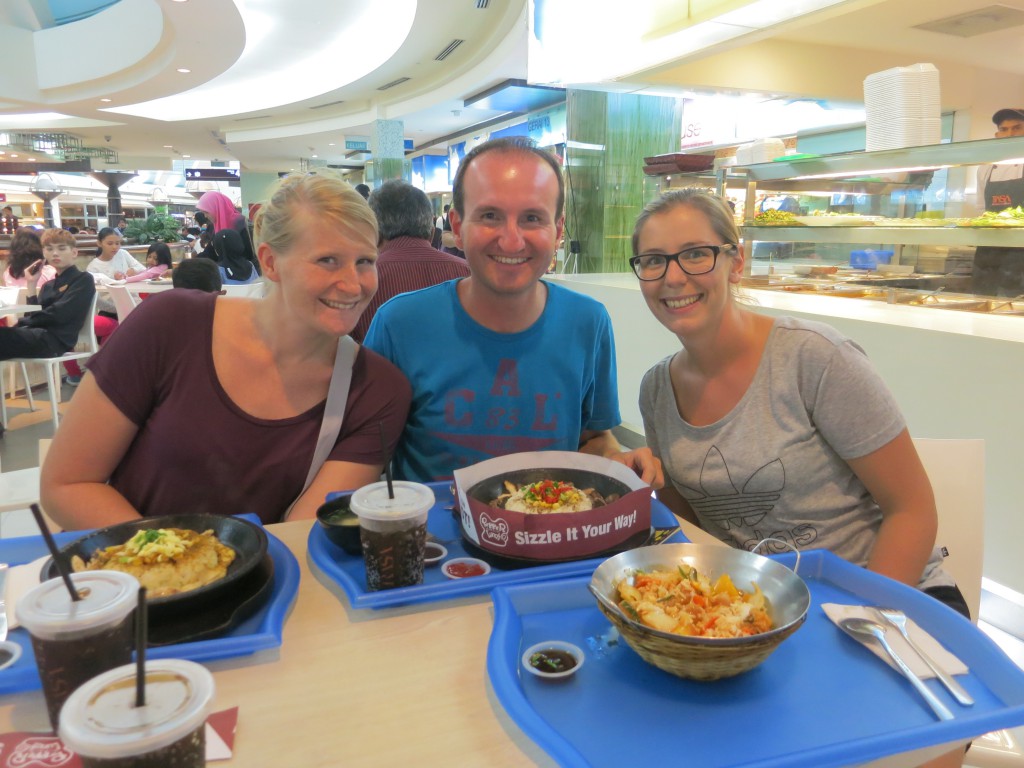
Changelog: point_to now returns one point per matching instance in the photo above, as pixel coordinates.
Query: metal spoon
(861, 629)
(899, 620)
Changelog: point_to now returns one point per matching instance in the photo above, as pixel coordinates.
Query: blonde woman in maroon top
(213, 404)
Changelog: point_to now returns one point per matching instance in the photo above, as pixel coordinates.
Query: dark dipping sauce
(552, 661)
(462, 570)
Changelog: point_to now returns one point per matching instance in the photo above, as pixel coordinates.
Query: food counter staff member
(1000, 271)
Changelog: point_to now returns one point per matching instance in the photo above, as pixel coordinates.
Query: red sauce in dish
(462, 570)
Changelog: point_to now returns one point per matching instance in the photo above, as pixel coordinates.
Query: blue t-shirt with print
(479, 394)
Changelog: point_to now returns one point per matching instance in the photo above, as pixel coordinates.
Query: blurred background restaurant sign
(211, 174)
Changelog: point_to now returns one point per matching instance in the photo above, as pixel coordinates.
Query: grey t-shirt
(776, 464)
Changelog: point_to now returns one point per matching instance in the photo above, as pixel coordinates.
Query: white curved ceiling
(286, 81)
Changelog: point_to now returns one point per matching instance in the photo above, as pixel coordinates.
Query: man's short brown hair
(57, 236)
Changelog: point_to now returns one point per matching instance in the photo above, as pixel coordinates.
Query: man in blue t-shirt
(501, 362)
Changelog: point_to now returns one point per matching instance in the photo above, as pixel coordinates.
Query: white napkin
(929, 644)
(20, 579)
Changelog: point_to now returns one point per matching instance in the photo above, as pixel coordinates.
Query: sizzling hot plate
(246, 597)
(491, 488)
(247, 539)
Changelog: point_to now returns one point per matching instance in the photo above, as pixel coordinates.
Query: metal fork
(898, 619)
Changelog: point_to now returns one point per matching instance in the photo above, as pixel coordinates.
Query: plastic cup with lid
(73, 640)
(102, 724)
(393, 532)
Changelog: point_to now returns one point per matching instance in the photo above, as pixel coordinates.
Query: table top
(142, 286)
(19, 488)
(17, 309)
(344, 680)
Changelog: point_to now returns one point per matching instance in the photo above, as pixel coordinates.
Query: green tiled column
(387, 153)
(609, 135)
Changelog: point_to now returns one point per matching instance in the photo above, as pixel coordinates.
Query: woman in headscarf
(221, 212)
(235, 268)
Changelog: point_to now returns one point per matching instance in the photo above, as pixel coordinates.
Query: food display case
(899, 226)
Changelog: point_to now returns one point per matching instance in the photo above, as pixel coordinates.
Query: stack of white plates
(760, 151)
(902, 107)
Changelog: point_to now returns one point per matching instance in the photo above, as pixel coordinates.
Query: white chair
(86, 347)
(956, 469)
(9, 296)
(124, 301)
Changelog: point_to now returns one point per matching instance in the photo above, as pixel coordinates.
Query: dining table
(140, 286)
(395, 685)
(7, 310)
(399, 686)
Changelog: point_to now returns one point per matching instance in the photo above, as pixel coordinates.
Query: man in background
(502, 362)
(8, 221)
(407, 260)
(1000, 271)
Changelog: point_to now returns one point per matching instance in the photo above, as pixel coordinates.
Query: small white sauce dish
(552, 645)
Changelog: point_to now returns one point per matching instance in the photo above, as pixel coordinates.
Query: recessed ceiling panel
(516, 96)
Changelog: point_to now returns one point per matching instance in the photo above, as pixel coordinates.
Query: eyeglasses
(693, 261)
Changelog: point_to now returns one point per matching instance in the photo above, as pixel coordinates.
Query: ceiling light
(168, 146)
(186, 155)
(183, 70)
(13, 155)
(105, 101)
(31, 159)
(269, 74)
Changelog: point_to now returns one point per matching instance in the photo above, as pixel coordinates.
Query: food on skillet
(166, 561)
(685, 602)
(549, 496)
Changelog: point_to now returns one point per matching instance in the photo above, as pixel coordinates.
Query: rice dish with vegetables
(166, 561)
(549, 496)
(685, 602)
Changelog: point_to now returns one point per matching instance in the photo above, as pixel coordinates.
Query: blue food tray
(349, 572)
(257, 632)
(820, 700)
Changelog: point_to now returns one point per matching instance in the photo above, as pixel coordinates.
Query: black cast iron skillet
(247, 539)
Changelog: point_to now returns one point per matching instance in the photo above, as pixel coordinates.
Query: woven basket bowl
(705, 658)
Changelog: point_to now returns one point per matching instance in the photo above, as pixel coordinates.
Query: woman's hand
(646, 465)
(121, 275)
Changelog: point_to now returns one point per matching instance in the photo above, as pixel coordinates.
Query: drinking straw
(387, 461)
(140, 649)
(62, 567)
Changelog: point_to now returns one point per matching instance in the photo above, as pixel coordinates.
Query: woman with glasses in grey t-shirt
(773, 427)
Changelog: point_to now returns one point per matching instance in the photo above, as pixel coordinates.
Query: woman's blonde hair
(325, 195)
(711, 205)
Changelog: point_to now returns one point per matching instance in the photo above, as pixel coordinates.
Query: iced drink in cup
(393, 532)
(102, 724)
(76, 640)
